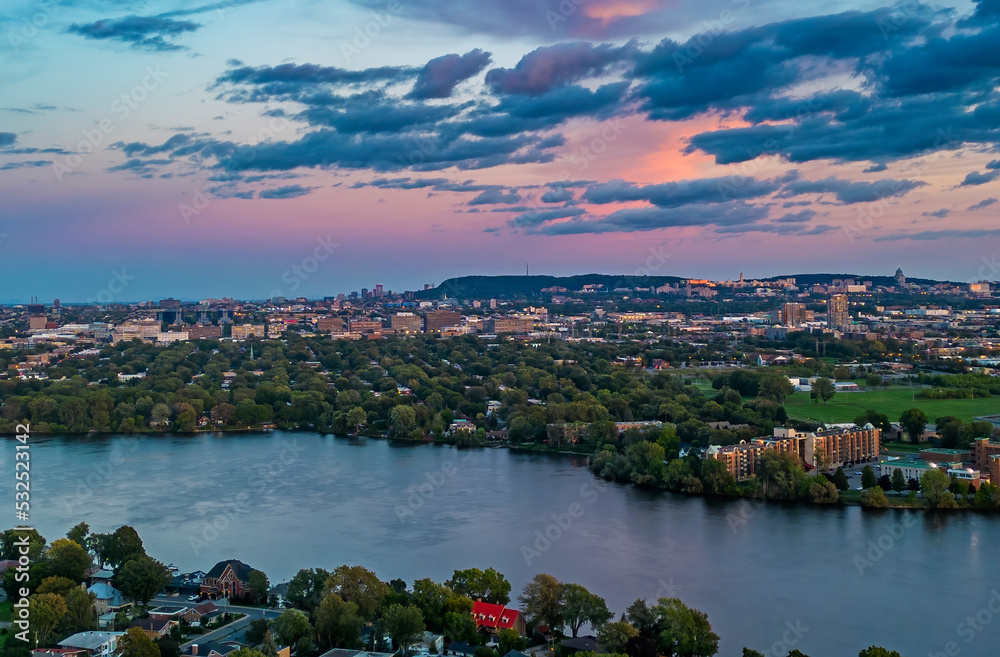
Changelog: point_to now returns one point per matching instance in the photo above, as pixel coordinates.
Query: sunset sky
(197, 149)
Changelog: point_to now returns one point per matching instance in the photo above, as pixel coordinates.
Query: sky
(257, 148)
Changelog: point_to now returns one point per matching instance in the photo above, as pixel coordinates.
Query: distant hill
(513, 287)
(509, 287)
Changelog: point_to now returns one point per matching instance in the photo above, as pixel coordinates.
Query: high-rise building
(793, 314)
(406, 323)
(837, 314)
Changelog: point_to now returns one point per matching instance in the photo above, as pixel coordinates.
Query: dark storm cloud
(145, 32)
(551, 67)
(851, 192)
(439, 76)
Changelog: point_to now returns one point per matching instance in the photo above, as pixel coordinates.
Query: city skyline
(207, 149)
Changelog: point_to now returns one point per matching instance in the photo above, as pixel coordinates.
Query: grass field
(845, 406)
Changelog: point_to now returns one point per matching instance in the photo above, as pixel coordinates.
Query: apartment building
(245, 331)
(439, 319)
(408, 323)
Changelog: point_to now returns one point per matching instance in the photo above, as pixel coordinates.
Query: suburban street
(251, 614)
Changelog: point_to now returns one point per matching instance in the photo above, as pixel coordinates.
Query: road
(251, 614)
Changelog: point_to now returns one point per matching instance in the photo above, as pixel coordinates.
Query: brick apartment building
(501, 325)
(407, 323)
(440, 319)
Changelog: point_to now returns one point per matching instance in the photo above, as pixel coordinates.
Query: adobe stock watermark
(789, 639)
(299, 273)
(745, 511)
(562, 522)
(122, 107)
(262, 479)
(989, 268)
(697, 44)
(417, 495)
(371, 30)
(971, 627)
(201, 194)
(878, 547)
(116, 285)
(31, 25)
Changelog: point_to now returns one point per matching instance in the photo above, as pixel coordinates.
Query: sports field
(845, 406)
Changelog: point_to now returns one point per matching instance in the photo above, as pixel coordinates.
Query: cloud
(25, 164)
(930, 235)
(439, 76)
(496, 196)
(875, 168)
(685, 192)
(538, 217)
(288, 191)
(646, 219)
(985, 203)
(851, 192)
(144, 32)
(551, 67)
(7, 138)
(796, 217)
(976, 178)
(557, 195)
(940, 214)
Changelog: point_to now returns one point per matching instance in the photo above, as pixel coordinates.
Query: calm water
(282, 502)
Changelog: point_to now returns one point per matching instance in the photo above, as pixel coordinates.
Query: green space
(845, 406)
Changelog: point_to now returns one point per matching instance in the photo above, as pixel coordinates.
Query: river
(828, 581)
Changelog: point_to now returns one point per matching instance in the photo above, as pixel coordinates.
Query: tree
(949, 429)
(876, 651)
(898, 481)
(246, 652)
(874, 498)
(775, 386)
(45, 610)
(581, 606)
(81, 615)
(868, 477)
(684, 631)
(141, 578)
(361, 586)
(402, 419)
(58, 585)
(873, 380)
(123, 545)
(642, 618)
(933, 484)
(404, 624)
(256, 631)
(337, 622)
(541, 600)
(874, 418)
(135, 643)
(823, 389)
(79, 534)
(488, 585)
(68, 559)
(268, 647)
(459, 626)
(168, 646)
(307, 588)
(510, 640)
(913, 421)
(258, 584)
(290, 626)
(11, 539)
(840, 479)
(613, 637)
(356, 418)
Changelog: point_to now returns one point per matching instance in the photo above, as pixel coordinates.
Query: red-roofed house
(493, 618)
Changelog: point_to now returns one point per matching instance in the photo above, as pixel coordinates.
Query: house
(587, 643)
(460, 648)
(101, 576)
(276, 594)
(96, 644)
(227, 579)
(109, 599)
(202, 614)
(105, 621)
(213, 648)
(492, 618)
(168, 612)
(154, 628)
(58, 652)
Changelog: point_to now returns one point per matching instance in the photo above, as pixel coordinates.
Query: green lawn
(845, 406)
